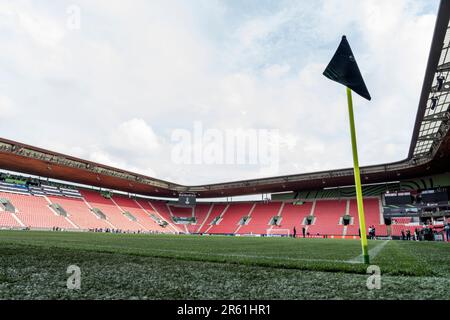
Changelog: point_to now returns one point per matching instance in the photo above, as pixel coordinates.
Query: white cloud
(6, 107)
(276, 71)
(135, 136)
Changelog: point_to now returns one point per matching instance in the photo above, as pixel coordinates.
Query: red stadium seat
(327, 214)
(231, 217)
(372, 214)
(35, 212)
(217, 210)
(143, 218)
(113, 213)
(292, 216)
(260, 218)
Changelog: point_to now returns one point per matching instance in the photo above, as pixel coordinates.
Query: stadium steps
(221, 213)
(344, 232)
(293, 214)
(92, 211)
(313, 208)
(157, 227)
(79, 212)
(157, 207)
(170, 211)
(57, 213)
(111, 211)
(278, 215)
(200, 212)
(129, 215)
(327, 214)
(206, 218)
(154, 208)
(347, 213)
(181, 212)
(9, 219)
(249, 220)
(34, 212)
(231, 217)
(130, 205)
(380, 205)
(261, 214)
(6, 205)
(178, 226)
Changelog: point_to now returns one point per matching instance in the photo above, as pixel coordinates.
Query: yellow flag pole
(359, 196)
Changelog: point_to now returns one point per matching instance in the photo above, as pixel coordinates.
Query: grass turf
(116, 266)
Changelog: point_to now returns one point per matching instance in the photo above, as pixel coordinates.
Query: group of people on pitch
(304, 233)
(427, 233)
(372, 234)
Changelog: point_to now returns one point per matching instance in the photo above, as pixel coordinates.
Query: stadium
(133, 236)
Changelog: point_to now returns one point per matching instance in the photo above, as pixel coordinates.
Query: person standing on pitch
(304, 232)
(295, 232)
(447, 230)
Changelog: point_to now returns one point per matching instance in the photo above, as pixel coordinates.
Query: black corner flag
(344, 70)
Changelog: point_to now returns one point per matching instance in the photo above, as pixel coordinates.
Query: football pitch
(136, 266)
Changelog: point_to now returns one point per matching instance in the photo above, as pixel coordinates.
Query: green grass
(117, 266)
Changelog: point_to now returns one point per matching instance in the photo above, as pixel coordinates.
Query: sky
(207, 91)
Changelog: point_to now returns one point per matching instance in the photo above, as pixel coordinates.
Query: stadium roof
(429, 150)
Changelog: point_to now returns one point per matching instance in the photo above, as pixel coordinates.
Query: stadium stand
(372, 214)
(201, 211)
(180, 216)
(34, 212)
(292, 216)
(229, 222)
(183, 212)
(160, 210)
(327, 214)
(79, 213)
(142, 217)
(216, 211)
(260, 218)
(49, 206)
(113, 213)
(7, 220)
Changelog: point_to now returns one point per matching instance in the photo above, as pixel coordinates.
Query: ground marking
(372, 253)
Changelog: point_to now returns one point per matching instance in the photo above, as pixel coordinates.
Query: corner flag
(344, 70)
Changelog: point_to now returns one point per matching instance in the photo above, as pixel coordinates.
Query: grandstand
(90, 210)
(321, 202)
(133, 236)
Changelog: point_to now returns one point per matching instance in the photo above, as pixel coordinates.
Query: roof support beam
(444, 67)
(445, 88)
(441, 116)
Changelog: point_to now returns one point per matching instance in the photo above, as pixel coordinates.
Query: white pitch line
(148, 251)
(372, 253)
(217, 254)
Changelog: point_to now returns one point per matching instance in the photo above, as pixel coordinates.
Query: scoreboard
(398, 198)
(435, 196)
(186, 199)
